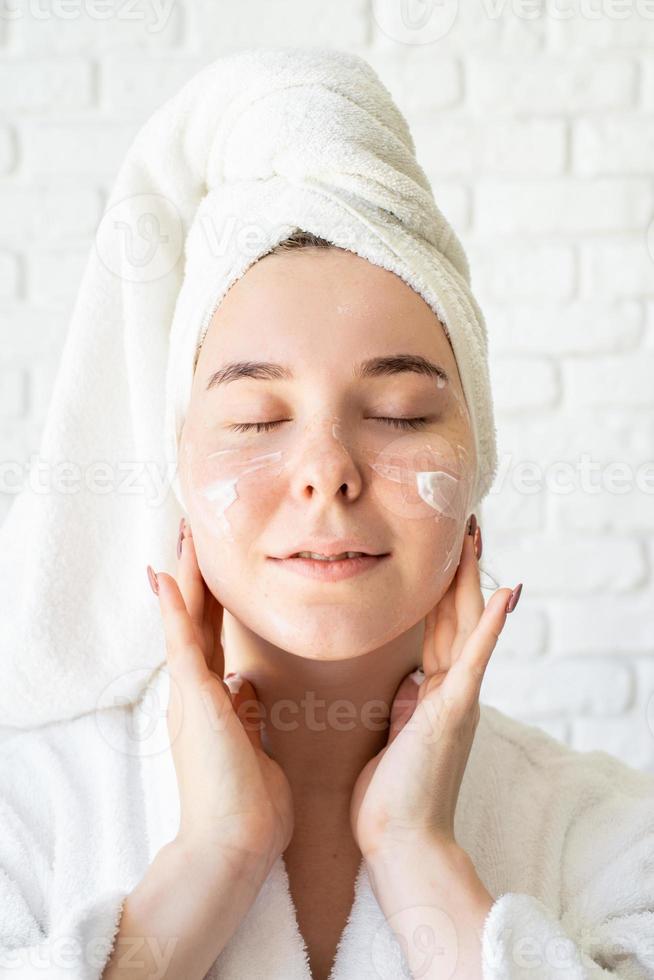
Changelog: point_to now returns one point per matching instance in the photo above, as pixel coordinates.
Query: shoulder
(517, 746)
(587, 804)
(543, 818)
(64, 765)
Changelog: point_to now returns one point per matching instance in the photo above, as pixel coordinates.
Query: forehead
(311, 303)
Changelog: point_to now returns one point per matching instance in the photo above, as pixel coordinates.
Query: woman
(320, 807)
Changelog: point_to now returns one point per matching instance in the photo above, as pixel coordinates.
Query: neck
(324, 719)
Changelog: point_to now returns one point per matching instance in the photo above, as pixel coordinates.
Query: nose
(325, 465)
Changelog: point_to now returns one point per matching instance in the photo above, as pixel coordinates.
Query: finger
(468, 600)
(441, 629)
(247, 706)
(189, 577)
(186, 657)
(204, 609)
(468, 672)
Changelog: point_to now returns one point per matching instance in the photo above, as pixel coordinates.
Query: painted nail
(234, 682)
(472, 524)
(513, 598)
(153, 581)
(180, 538)
(478, 542)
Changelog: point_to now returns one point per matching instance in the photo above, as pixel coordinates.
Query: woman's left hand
(407, 793)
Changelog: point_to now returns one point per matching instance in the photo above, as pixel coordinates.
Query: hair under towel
(258, 144)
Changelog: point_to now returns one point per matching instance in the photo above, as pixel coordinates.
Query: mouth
(318, 556)
(331, 568)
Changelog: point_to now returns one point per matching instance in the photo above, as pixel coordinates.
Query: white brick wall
(536, 128)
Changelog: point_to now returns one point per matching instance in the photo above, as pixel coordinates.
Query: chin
(325, 633)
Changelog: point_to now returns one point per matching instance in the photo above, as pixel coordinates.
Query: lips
(319, 557)
(331, 571)
(331, 548)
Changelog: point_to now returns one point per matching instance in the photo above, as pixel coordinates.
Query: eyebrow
(374, 367)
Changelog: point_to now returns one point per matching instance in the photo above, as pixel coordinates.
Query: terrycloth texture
(258, 143)
(564, 841)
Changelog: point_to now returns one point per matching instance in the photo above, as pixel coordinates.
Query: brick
(508, 272)
(19, 438)
(558, 728)
(578, 327)
(5, 505)
(619, 379)
(612, 27)
(8, 150)
(648, 336)
(36, 84)
(460, 28)
(10, 276)
(524, 382)
(606, 509)
(251, 23)
(25, 329)
(552, 564)
(55, 276)
(509, 510)
(93, 149)
(644, 701)
(647, 73)
(43, 374)
(601, 432)
(453, 201)
(455, 145)
(618, 625)
(627, 737)
(526, 635)
(12, 392)
(43, 212)
(620, 267)
(564, 206)
(132, 85)
(549, 85)
(548, 687)
(613, 146)
(417, 81)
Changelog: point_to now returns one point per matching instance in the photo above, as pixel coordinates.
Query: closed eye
(398, 423)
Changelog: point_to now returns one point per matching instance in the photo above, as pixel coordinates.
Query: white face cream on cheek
(429, 476)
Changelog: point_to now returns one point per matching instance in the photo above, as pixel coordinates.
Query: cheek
(425, 485)
(230, 491)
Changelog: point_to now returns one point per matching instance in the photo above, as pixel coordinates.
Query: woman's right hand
(235, 801)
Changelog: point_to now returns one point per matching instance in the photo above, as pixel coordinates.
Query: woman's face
(329, 464)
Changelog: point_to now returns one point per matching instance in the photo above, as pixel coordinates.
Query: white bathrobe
(563, 841)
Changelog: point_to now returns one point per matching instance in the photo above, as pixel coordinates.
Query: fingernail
(418, 676)
(513, 598)
(478, 542)
(180, 538)
(234, 682)
(153, 581)
(472, 524)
